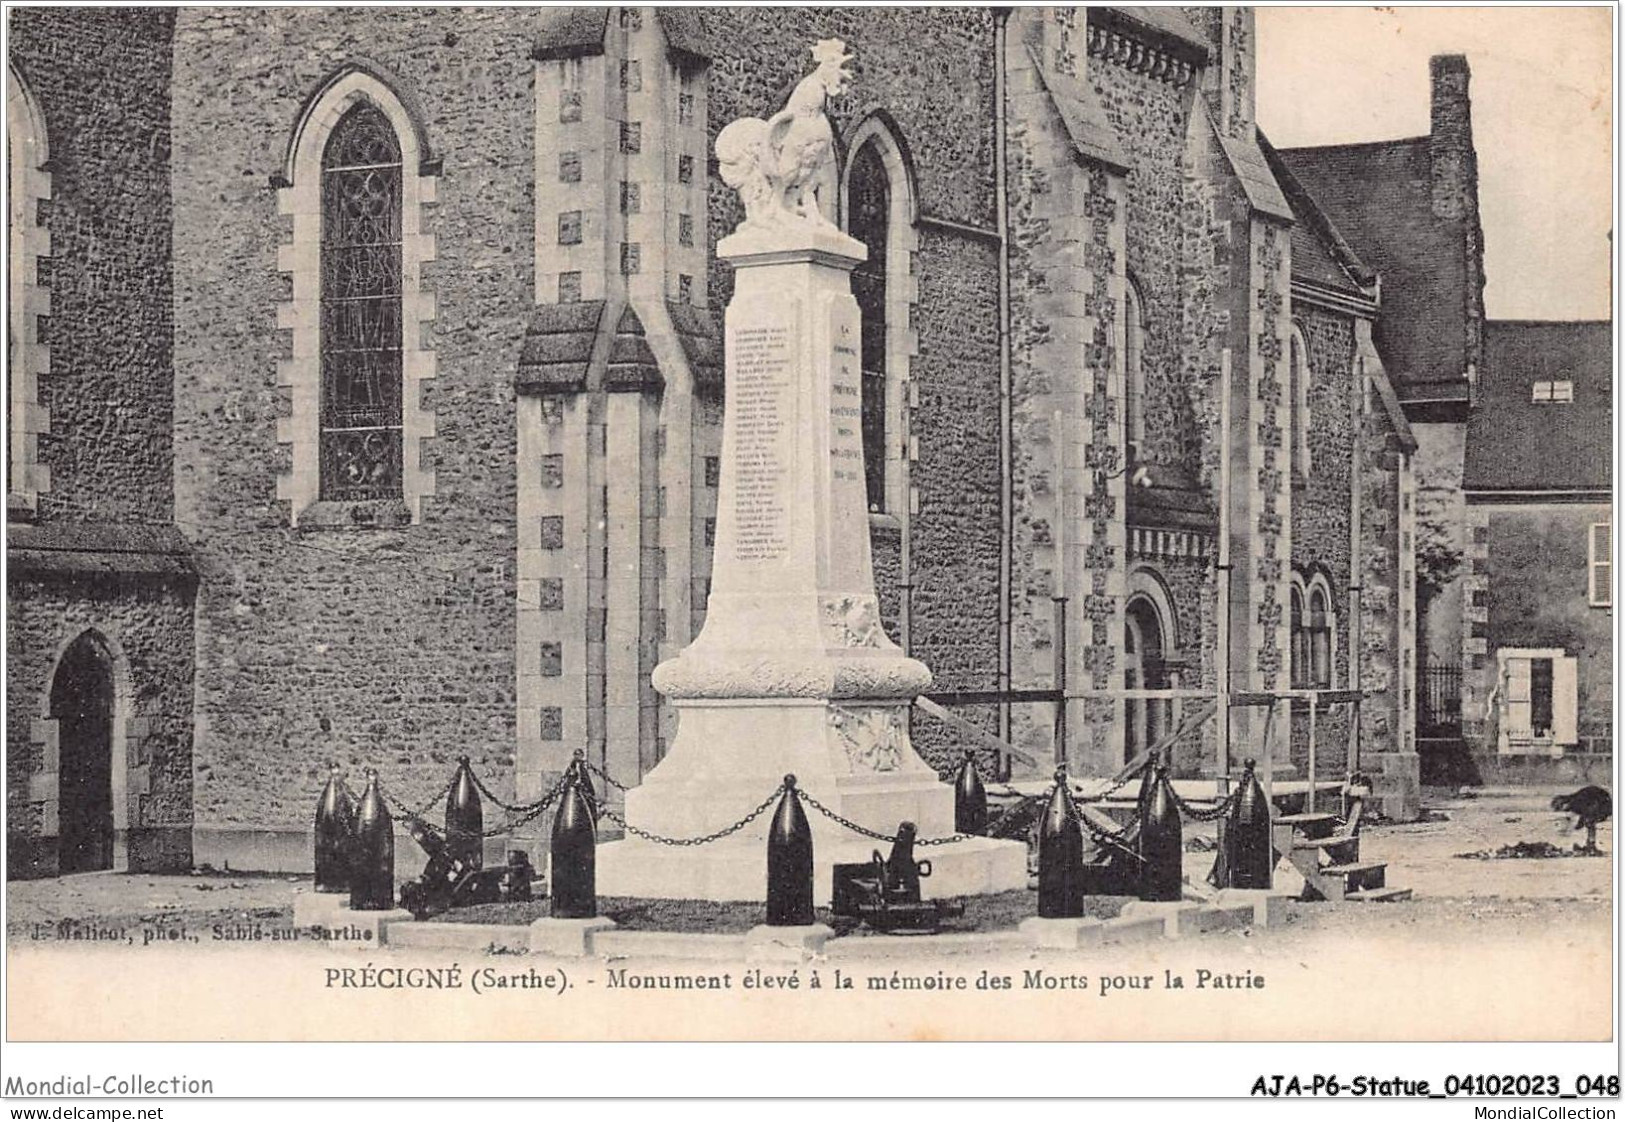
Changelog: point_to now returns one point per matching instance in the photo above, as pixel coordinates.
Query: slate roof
(632, 364)
(1515, 444)
(1164, 496)
(1320, 253)
(569, 32)
(698, 335)
(1380, 197)
(1082, 115)
(558, 346)
(686, 32)
(1247, 161)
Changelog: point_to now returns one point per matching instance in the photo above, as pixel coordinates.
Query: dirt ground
(1499, 899)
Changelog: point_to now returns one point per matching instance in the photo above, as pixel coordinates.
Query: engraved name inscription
(758, 395)
(846, 410)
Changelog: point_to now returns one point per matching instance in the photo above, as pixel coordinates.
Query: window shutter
(1600, 564)
(1515, 710)
(1566, 701)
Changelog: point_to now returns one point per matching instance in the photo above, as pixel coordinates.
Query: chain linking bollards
(1162, 842)
(335, 833)
(575, 852)
(970, 799)
(1060, 855)
(465, 819)
(789, 863)
(372, 871)
(1248, 835)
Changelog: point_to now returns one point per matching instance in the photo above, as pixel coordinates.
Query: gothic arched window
(869, 204)
(1300, 641)
(359, 182)
(1320, 638)
(361, 309)
(1299, 406)
(1133, 373)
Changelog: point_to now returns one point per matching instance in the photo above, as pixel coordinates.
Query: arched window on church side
(1300, 641)
(1299, 405)
(1133, 373)
(1320, 639)
(361, 309)
(869, 205)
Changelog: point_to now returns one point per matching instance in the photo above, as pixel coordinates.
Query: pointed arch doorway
(82, 704)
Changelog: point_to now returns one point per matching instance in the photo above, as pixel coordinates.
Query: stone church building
(366, 394)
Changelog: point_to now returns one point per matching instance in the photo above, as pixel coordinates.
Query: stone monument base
(736, 868)
(854, 757)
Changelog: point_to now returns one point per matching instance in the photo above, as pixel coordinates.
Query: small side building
(1537, 587)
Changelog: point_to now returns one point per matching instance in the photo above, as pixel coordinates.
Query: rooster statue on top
(777, 165)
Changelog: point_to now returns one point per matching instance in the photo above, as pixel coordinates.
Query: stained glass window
(361, 309)
(869, 220)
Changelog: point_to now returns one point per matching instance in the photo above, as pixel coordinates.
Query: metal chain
(526, 813)
(1112, 790)
(604, 775)
(1111, 837)
(890, 839)
(432, 803)
(490, 796)
(537, 810)
(1210, 814)
(658, 839)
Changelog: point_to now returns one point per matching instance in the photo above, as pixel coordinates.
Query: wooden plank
(981, 736)
(993, 697)
(1190, 724)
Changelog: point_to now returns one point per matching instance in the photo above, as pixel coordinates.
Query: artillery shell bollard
(335, 833)
(1162, 843)
(465, 818)
(789, 863)
(970, 799)
(1060, 855)
(372, 870)
(574, 855)
(583, 779)
(1247, 833)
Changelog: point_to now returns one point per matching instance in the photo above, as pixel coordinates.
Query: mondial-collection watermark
(116, 1086)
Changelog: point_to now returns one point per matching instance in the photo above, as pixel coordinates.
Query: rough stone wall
(1194, 592)
(955, 534)
(101, 77)
(1385, 594)
(1321, 508)
(1441, 515)
(1533, 592)
(1067, 221)
(392, 648)
(148, 626)
(1171, 240)
(1151, 119)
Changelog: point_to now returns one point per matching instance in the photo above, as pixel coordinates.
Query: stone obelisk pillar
(792, 671)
